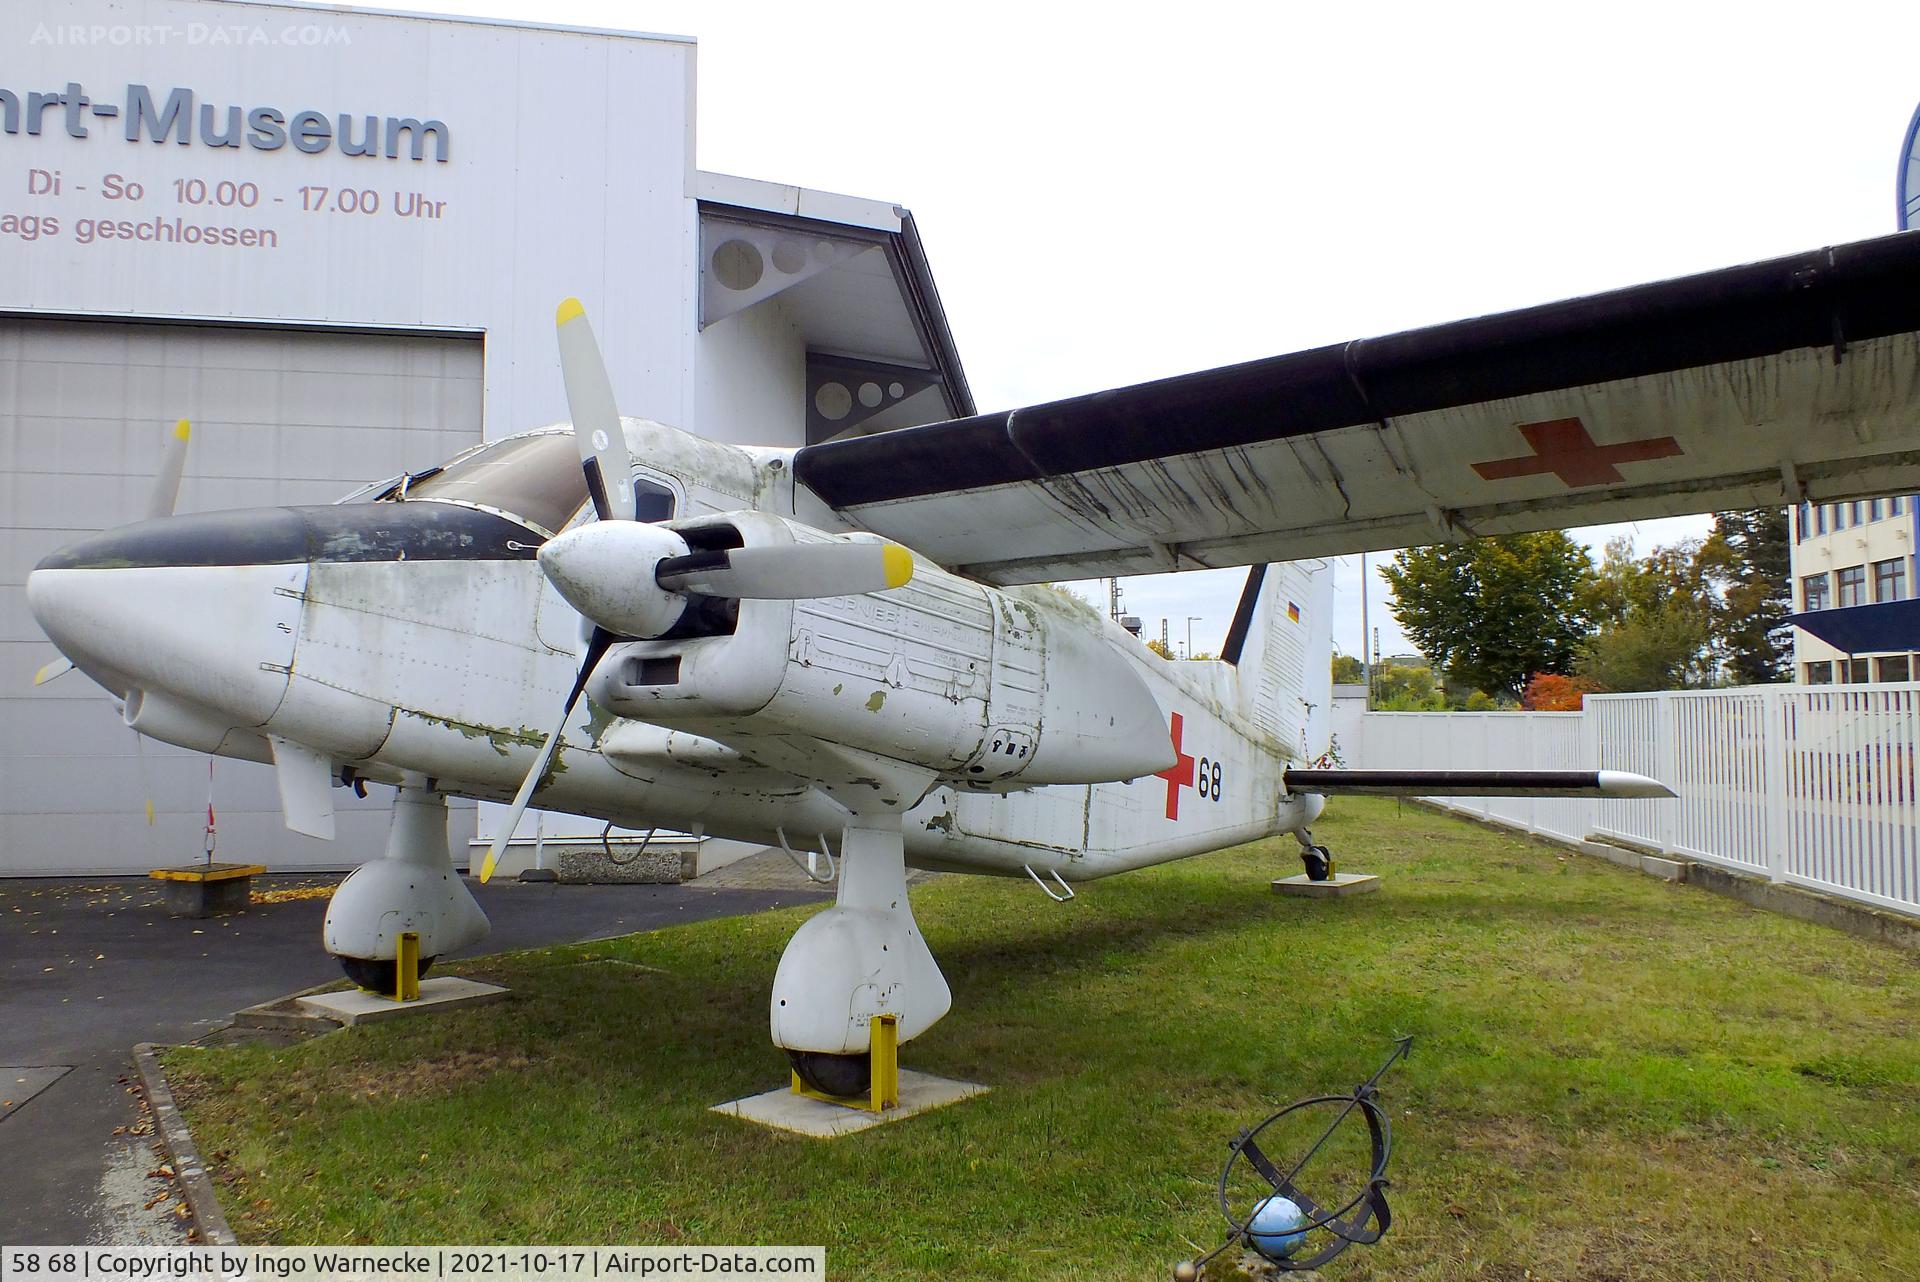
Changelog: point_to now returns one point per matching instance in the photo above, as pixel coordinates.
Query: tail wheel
(379, 976)
(841, 1075)
(1319, 862)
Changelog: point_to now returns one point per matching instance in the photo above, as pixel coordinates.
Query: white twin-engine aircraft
(845, 643)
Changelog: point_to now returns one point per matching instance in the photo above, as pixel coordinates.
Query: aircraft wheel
(376, 975)
(833, 1074)
(1319, 862)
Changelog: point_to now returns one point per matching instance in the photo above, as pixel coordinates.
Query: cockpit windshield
(536, 479)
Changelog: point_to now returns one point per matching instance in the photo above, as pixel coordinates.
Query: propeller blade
(166, 482)
(52, 670)
(596, 647)
(795, 572)
(596, 420)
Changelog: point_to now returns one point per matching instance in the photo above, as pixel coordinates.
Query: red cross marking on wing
(1564, 447)
(1178, 775)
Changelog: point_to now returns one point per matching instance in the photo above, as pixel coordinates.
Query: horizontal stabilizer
(1475, 783)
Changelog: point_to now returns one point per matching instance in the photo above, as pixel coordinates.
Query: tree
(1622, 585)
(1667, 647)
(1160, 649)
(1747, 557)
(1656, 620)
(1347, 670)
(1549, 692)
(1492, 612)
(1403, 687)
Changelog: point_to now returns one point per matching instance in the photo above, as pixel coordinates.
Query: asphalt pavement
(89, 968)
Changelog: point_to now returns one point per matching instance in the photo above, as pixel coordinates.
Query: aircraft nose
(205, 607)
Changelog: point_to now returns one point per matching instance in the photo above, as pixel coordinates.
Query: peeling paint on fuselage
(502, 740)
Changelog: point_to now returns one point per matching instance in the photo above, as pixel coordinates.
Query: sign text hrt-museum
(177, 118)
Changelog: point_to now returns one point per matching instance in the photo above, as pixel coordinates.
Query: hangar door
(279, 416)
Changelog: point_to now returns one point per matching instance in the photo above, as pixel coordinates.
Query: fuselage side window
(651, 501)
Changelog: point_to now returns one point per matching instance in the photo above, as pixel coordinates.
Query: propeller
(52, 670)
(603, 453)
(596, 421)
(166, 482)
(800, 571)
(166, 493)
(599, 568)
(596, 647)
(601, 571)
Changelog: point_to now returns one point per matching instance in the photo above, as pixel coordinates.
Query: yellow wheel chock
(883, 1049)
(406, 970)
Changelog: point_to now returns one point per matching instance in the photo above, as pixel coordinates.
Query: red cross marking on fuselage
(1178, 775)
(1564, 447)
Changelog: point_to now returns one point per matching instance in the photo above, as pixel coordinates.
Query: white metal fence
(1812, 785)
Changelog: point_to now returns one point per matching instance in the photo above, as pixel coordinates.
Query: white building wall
(569, 171)
(750, 385)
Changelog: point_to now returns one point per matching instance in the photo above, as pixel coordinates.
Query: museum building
(334, 240)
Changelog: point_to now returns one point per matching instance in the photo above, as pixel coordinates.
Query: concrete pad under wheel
(783, 1110)
(1335, 887)
(358, 1006)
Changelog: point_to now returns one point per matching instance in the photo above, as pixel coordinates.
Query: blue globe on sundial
(1275, 1229)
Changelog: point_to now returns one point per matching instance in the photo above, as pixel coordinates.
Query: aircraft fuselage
(420, 640)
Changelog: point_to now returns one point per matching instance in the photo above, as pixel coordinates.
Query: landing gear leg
(1318, 859)
(861, 958)
(412, 888)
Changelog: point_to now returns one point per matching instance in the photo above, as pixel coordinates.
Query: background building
(334, 239)
(1850, 560)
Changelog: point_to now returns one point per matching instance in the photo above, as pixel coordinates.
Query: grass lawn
(1613, 1079)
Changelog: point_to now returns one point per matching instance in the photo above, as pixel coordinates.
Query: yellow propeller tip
(486, 869)
(898, 565)
(182, 430)
(568, 310)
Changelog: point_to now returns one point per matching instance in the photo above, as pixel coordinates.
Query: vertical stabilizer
(1282, 643)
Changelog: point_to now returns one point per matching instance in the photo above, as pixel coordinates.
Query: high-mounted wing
(1763, 384)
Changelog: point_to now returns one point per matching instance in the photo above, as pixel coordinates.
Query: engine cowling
(990, 688)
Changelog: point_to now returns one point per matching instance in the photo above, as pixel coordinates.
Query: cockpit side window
(536, 479)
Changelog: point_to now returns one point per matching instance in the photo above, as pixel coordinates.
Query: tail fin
(1282, 643)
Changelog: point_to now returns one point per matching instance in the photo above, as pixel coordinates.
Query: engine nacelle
(990, 688)
(1298, 810)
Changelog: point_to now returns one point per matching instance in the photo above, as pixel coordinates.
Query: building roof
(1889, 626)
(873, 300)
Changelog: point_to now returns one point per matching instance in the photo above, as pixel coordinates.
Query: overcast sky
(1113, 193)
